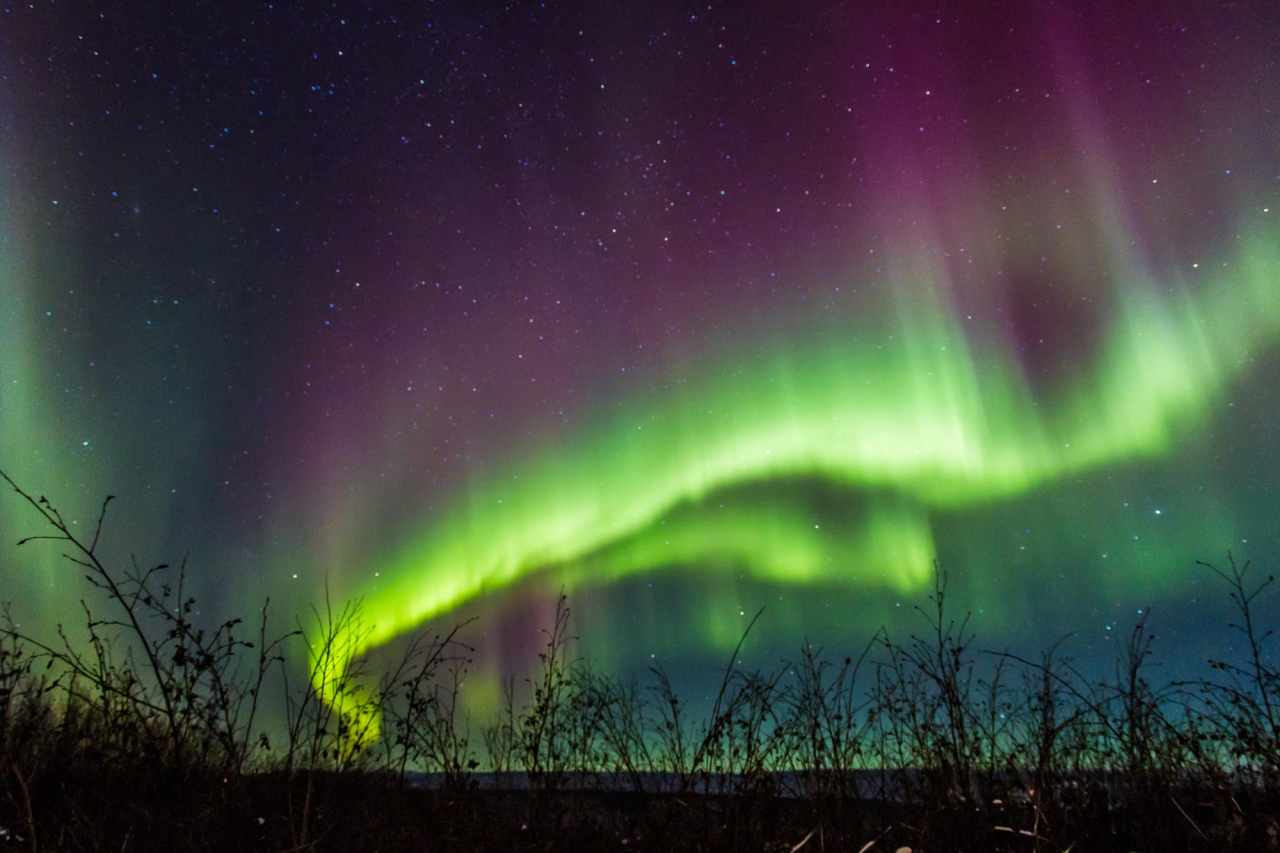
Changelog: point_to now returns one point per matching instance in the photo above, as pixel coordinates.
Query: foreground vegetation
(148, 733)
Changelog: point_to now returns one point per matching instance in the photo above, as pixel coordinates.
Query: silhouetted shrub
(146, 732)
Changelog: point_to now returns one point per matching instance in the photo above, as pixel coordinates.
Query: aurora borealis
(685, 310)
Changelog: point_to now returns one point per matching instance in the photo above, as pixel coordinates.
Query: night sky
(685, 309)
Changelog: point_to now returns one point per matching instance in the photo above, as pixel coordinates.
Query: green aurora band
(29, 409)
(916, 412)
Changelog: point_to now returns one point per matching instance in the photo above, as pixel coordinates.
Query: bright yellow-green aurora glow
(684, 315)
(904, 406)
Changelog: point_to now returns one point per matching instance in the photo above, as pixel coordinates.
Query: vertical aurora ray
(449, 311)
(914, 410)
(25, 377)
(88, 406)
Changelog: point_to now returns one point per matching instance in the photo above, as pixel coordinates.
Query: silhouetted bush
(146, 733)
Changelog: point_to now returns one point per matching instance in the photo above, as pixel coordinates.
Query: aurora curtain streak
(27, 408)
(685, 309)
(907, 411)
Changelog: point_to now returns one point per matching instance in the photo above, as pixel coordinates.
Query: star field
(683, 308)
